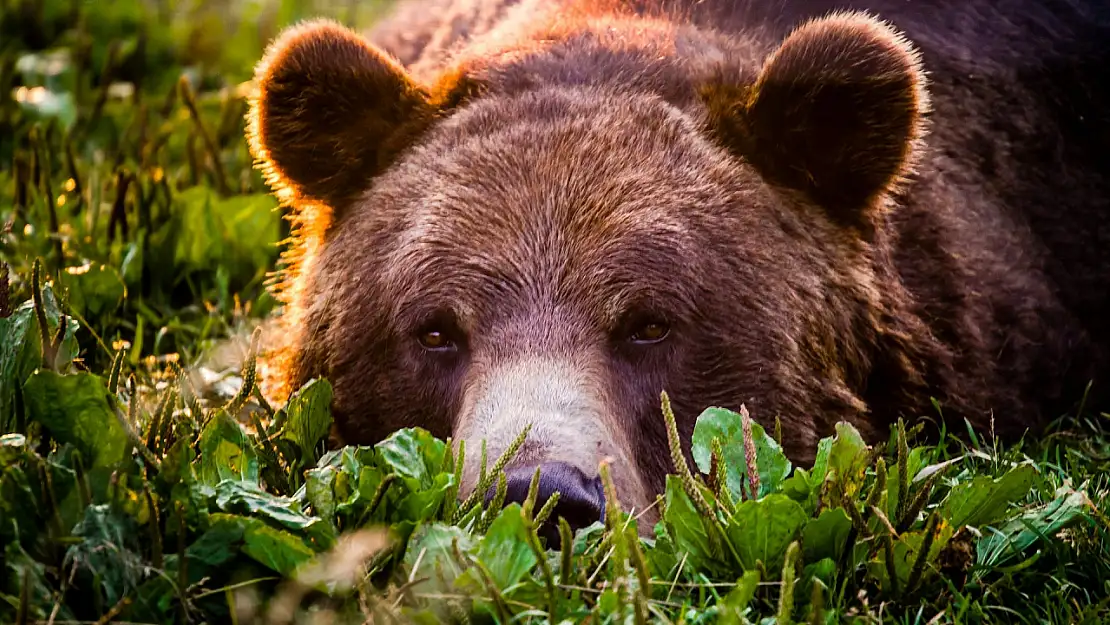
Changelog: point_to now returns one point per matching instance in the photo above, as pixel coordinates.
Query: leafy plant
(167, 509)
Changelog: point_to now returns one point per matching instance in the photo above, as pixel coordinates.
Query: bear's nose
(581, 499)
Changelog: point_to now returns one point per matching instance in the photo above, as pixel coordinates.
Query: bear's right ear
(330, 112)
(836, 112)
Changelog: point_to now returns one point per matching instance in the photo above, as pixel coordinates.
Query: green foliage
(76, 409)
(165, 510)
(133, 489)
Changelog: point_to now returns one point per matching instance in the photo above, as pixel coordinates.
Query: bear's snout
(581, 498)
(571, 425)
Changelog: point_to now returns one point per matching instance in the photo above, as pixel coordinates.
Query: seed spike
(533, 493)
(786, 595)
(679, 461)
(903, 469)
(547, 509)
(486, 480)
(117, 369)
(750, 454)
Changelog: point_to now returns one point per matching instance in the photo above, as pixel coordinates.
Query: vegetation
(144, 479)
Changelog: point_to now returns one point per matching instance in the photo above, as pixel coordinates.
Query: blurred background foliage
(123, 163)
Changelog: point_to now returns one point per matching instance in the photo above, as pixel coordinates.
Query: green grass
(143, 479)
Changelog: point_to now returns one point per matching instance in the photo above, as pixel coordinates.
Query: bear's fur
(549, 211)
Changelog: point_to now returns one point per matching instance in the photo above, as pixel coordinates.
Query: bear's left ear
(835, 112)
(331, 111)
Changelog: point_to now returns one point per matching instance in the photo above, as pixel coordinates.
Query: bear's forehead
(554, 197)
(598, 123)
(542, 254)
(593, 168)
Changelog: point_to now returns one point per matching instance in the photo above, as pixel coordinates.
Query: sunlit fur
(844, 214)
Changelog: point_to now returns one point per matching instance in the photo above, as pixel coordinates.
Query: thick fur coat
(549, 211)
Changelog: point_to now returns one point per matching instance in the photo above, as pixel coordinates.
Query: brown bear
(550, 211)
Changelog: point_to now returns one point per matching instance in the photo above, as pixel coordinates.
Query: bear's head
(554, 232)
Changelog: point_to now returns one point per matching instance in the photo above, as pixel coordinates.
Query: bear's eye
(435, 340)
(440, 333)
(650, 331)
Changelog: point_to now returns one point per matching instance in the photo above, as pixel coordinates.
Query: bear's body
(560, 209)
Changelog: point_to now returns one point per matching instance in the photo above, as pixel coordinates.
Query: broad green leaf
(92, 289)
(430, 549)
(1023, 530)
(354, 493)
(308, 418)
(319, 491)
(348, 495)
(343, 483)
(820, 468)
(226, 452)
(689, 532)
(77, 409)
(220, 543)
(727, 426)
(686, 526)
(826, 536)
(108, 557)
(71, 505)
(248, 499)
(194, 500)
(413, 453)
(847, 452)
(21, 348)
(587, 538)
(423, 505)
(984, 500)
(349, 459)
(279, 550)
(801, 488)
(823, 569)
(504, 549)
(735, 603)
(662, 557)
(367, 483)
(177, 463)
(761, 530)
(842, 461)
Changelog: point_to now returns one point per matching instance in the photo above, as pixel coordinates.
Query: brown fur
(836, 218)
